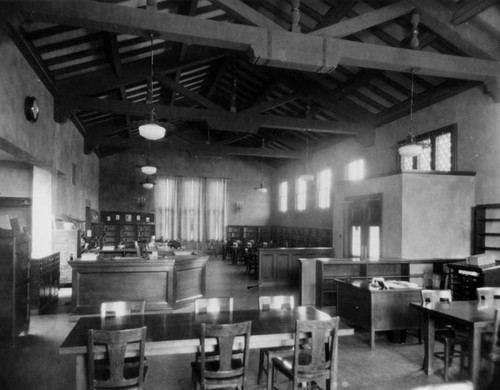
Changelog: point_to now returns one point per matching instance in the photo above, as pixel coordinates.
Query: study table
(176, 333)
(475, 316)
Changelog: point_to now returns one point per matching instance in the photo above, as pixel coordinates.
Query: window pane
(324, 187)
(374, 239)
(356, 170)
(424, 160)
(283, 196)
(300, 194)
(356, 241)
(406, 163)
(443, 152)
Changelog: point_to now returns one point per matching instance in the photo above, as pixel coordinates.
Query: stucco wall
(436, 215)
(121, 178)
(58, 146)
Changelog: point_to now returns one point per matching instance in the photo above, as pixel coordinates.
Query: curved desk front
(164, 284)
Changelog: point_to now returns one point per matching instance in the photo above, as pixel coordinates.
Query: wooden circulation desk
(280, 266)
(164, 284)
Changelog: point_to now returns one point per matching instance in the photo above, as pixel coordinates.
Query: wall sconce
(141, 202)
(238, 205)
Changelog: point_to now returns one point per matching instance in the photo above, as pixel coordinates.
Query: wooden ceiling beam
(101, 81)
(217, 120)
(267, 47)
(246, 14)
(467, 9)
(193, 96)
(366, 20)
(336, 14)
(272, 103)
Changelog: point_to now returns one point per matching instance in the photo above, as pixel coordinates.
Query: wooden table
(475, 316)
(174, 333)
(377, 310)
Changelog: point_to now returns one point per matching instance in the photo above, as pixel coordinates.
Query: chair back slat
(231, 366)
(122, 308)
(488, 294)
(316, 351)
(112, 372)
(213, 305)
(276, 302)
(435, 296)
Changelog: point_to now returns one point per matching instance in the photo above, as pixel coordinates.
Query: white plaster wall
(57, 145)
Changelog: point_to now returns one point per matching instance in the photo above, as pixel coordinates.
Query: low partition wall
(327, 271)
(280, 266)
(164, 284)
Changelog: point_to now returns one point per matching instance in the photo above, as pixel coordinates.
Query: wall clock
(31, 109)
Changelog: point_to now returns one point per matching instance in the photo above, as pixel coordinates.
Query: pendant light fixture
(146, 184)
(412, 148)
(261, 188)
(150, 128)
(149, 168)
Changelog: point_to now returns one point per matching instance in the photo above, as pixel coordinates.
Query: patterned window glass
(356, 241)
(443, 152)
(424, 160)
(437, 156)
(300, 194)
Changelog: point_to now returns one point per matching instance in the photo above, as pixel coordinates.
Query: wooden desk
(377, 310)
(472, 315)
(174, 333)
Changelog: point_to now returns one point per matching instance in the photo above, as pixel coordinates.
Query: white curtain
(190, 209)
(215, 209)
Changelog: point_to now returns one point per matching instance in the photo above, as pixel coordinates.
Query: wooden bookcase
(487, 229)
(123, 227)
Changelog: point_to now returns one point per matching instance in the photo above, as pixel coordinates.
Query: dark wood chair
(112, 372)
(122, 308)
(314, 362)
(446, 334)
(253, 261)
(230, 369)
(273, 302)
(213, 305)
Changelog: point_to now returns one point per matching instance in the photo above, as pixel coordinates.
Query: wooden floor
(35, 364)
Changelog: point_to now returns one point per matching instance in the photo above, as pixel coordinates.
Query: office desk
(471, 315)
(174, 333)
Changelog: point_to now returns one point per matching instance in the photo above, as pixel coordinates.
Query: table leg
(429, 333)
(474, 354)
(81, 377)
(372, 337)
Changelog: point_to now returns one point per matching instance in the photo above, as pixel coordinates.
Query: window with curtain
(190, 209)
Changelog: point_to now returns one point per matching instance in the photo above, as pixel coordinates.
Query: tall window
(283, 196)
(190, 209)
(300, 194)
(324, 188)
(439, 153)
(355, 170)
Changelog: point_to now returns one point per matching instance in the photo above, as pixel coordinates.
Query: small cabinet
(465, 279)
(14, 284)
(44, 282)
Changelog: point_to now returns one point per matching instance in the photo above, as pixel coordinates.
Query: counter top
(393, 260)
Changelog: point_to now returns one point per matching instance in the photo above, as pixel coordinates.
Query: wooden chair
(274, 302)
(213, 305)
(491, 352)
(446, 334)
(253, 260)
(314, 361)
(112, 372)
(488, 294)
(231, 368)
(122, 308)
